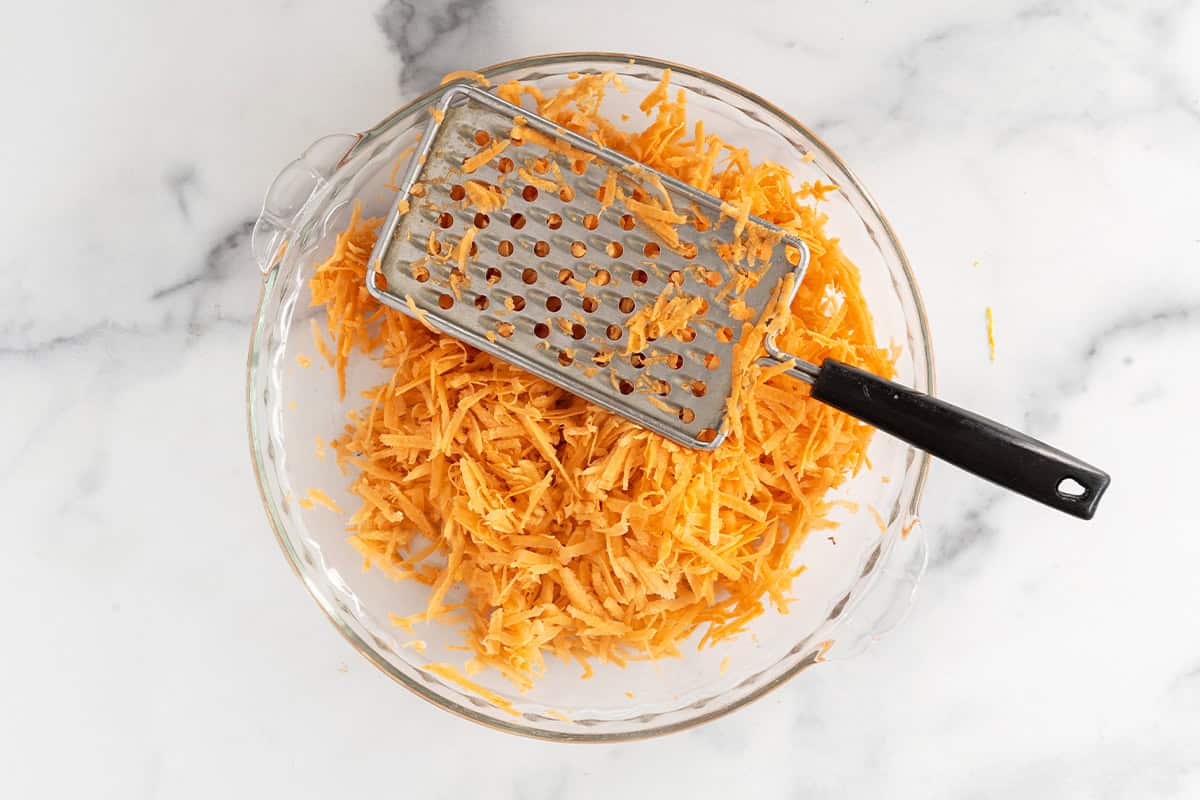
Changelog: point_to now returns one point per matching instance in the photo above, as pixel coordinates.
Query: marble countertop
(1037, 156)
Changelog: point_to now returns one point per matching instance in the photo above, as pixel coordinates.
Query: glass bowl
(859, 579)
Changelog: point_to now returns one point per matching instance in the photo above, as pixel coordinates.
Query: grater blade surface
(553, 281)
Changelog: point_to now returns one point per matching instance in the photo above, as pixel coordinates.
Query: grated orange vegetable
(484, 196)
(317, 497)
(991, 335)
(554, 527)
(465, 74)
(451, 673)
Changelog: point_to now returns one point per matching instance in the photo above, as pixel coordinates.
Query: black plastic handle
(974, 443)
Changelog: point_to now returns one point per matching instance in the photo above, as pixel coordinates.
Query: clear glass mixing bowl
(859, 580)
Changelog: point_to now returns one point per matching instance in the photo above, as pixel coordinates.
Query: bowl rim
(367, 137)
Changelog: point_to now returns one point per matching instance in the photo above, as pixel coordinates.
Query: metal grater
(555, 277)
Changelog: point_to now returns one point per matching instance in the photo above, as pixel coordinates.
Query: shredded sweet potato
(555, 527)
(991, 334)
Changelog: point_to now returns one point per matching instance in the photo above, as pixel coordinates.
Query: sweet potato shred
(554, 527)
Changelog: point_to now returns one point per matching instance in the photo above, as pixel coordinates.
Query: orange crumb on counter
(991, 335)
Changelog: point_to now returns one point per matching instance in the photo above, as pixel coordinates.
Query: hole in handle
(1071, 489)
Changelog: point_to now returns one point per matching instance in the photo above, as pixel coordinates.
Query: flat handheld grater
(509, 235)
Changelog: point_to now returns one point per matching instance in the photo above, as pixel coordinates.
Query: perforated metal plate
(551, 280)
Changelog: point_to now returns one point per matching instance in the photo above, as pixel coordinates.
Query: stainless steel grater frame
(518, 304)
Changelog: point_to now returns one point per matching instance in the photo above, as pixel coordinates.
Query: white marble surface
(159, 646)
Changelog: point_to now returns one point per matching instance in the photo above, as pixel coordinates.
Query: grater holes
(578, 331)
(625, 386)
(505, 248)
(602, 277)
(626, 305)
(712, 360)
(675, 277)
(492, 275)
(529, 276)
(554, 222)
(420, 274)
(517, 220)
(651, 250)
(565, 276)
(639, 277)
(482, 138)
(579, 166)
(724, 335)
(541, 248)
(553, 304)
(565, 358)
(505, 165)
(505, 329)
(602, 358)
(541, 330)
(474, 251)
(637, 360)
(445, 219)
(591, 221)
(661, 387)
(707, 435)
(515, 303)
(613, 332)
(481, 302)
(686, 335)
(578, 249)
(628, 222)
(445, 301)
(687, 416)
(457, 192)
(566, 194)
(529, 193)
(516, 139)
(675, 361)
(614, 249)
(541, 166)
(698, 388)
(481, 220)
(688, 250)
(590, 304)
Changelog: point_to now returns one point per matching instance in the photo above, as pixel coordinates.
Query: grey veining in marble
(158, 645)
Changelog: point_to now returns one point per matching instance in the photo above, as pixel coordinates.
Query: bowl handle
(887, 602)
(291, 191)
